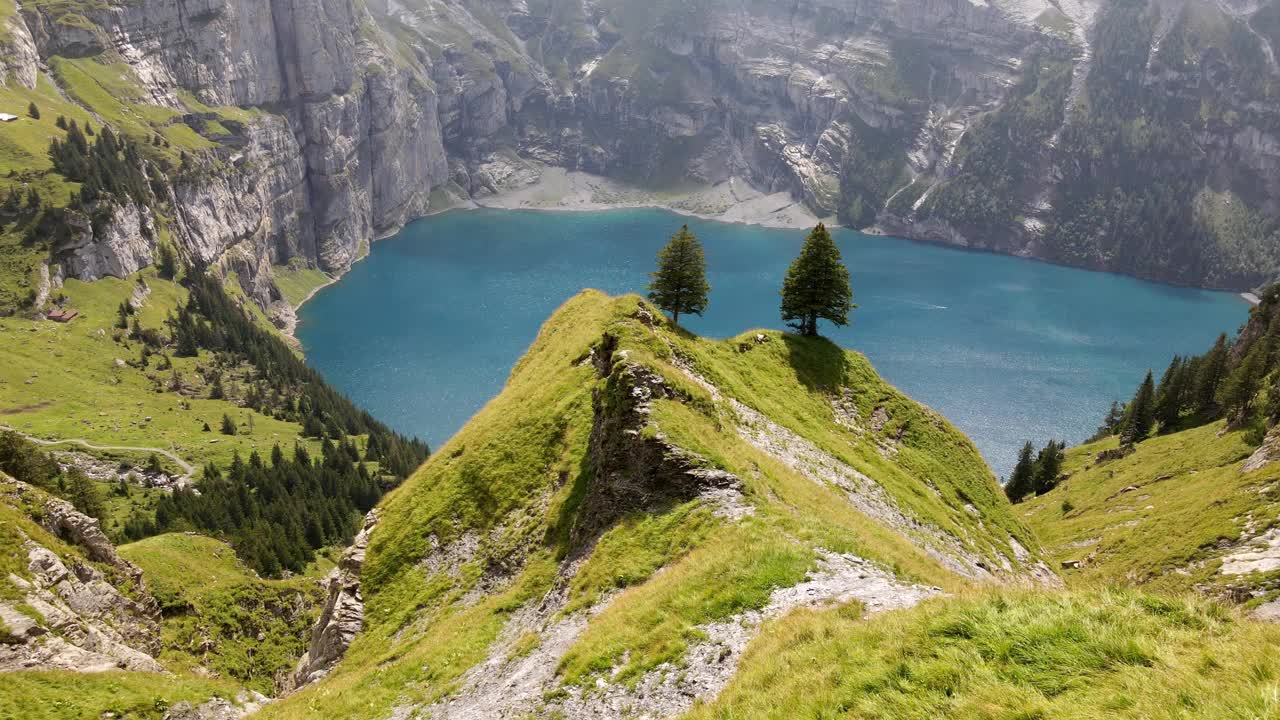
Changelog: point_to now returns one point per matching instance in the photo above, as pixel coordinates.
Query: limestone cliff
(995, 124)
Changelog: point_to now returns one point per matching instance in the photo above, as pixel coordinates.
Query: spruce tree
(1114, 420)
(1273, 400)
(1048, 467)
(679, 284)
(167, 262)
(84, 494)
(1213, 368)
(33, 111)
(1022, 482)
(1169, 395)
(228, 426)
(1239, 388)
(817, 285)
(1141, 416)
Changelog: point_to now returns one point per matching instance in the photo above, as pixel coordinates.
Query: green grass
(111, 90)
(637, 546)
(935, 472)
(513, 480)
(1189, 495)
(43, 695)
(296, 283)
(61, 382)
(1011, 656)
(655, 622)
(218, 616)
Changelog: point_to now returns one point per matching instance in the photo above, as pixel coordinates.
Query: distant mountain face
(1131, 136)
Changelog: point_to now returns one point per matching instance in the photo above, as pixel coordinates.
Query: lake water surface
(425, 330)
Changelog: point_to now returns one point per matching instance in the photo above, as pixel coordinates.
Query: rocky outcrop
(1267, 453)
(342, 616)
(121, 246)
(244, 704)
(633, 468)
(19, 58)
(86, 611)
(349, 146)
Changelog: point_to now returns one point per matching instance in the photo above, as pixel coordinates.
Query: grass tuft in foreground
(1011, 655)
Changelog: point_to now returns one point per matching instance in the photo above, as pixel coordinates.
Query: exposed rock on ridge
(342, 616)
(73, 614)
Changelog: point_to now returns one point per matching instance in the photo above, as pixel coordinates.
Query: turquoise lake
(426, 329)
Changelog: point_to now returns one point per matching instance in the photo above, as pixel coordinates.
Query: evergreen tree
(1169, 395)
(817, 285)
(1022, 482)
(228, 426)
(679, 284)
(61, 122)
(84, 493)
(1213, 368)
(1048, 467)
(167, 262)
(1240, 387)
(1114, 420)
(33, 111)
(1141, 415)
(33, 199)
(1273, 400)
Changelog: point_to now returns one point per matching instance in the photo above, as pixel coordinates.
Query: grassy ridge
(510, 484)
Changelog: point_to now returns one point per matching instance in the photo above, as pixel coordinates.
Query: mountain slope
(79, 626)
(584, 536)
(219, 618)
(1171, 515)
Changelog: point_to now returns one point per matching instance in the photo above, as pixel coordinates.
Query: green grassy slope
(1012, 655)
(220, 617)
(512, 486)
(62, 695)
(63, 382)
(1161, 516)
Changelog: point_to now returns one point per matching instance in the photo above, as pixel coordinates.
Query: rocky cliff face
(75, 604)
(342, 617)
(950, 120)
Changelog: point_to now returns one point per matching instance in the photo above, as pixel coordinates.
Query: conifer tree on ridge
(679, 285)
(817, 285)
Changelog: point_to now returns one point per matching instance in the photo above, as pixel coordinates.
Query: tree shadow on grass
(819, 364)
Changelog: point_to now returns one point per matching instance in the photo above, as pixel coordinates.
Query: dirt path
(187, 467)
